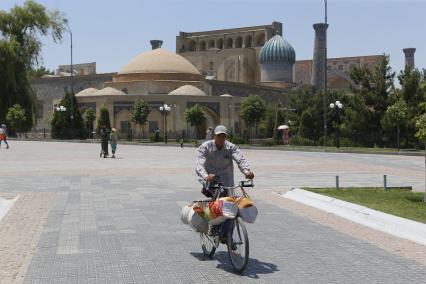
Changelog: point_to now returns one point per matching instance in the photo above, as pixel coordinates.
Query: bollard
(44, 133)
(385, 184)
(337, 182)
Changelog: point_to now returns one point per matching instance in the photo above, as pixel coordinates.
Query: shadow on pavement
(254, 268)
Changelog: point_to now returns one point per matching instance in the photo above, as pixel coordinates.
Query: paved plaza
(84, 219)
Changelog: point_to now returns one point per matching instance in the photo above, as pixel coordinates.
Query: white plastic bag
(229, 209)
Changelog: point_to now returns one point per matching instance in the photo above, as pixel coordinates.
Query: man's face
(219, 140)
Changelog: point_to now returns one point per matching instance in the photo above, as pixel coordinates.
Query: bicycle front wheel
(238, 245)
(207, 244)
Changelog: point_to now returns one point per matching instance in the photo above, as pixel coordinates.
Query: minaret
(155, 43)
(409, 57)
(318, 63)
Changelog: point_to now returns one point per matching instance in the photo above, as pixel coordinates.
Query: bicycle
(232, 232)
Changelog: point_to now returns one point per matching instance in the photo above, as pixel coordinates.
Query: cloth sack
(248, 214)
(184, 213)
(197, 221)
(247, 210)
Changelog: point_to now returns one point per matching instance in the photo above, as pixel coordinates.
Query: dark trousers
(104, 145)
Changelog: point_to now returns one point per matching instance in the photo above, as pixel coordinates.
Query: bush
(346, 142)
(269, 142)
(330, 141)
(237, 139)
(300, 141)
(152, 138)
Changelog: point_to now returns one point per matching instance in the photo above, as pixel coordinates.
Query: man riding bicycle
(215, 163)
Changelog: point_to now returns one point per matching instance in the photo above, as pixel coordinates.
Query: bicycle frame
(227, 225)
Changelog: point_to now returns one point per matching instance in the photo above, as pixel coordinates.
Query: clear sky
(113, 32)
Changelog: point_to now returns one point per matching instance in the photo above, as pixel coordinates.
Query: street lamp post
(61, 109)
(72, 80)
(164, 110)
(337, 107)
(325, 75)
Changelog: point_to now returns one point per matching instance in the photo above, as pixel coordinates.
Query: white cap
(220, 129)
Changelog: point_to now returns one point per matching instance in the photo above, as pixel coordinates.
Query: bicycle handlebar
(216, 185)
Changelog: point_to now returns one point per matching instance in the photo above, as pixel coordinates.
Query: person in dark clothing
(157, 134)
(104, 141)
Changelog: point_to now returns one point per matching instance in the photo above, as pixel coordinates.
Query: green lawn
(399, 202)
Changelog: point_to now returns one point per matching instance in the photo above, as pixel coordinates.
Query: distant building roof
(159, 61)
(86, 92)
(187, 90)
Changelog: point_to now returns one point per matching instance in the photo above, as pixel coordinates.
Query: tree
(309, 127)
(16, 118)
(274, 117)
(20, 50)
(413, 93)
(374, 86)
(89, 117)
(140, 113)
(195, 116)
(65, 127)
(421, 135)
(38, 72)
(253, 110)
(394, 116)
(103, 119)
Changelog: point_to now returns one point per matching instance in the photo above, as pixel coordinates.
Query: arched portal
(239, 42)
(229, 43)
(202, 46)
(219, 43)
(249, 41)
(260, 39)
(192, 45)
(211, 43)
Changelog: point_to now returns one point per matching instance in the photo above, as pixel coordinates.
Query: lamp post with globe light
(164, 109)
(337, 107)
(61, 109)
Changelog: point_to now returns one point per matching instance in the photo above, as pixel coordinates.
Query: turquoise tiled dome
(277, 49)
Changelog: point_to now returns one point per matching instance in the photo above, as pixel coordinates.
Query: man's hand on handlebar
(210, 178)
(249, 175)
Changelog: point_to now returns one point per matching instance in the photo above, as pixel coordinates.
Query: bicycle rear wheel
(207, 244)
(238, 245)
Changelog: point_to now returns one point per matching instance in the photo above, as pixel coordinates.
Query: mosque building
(214, 69)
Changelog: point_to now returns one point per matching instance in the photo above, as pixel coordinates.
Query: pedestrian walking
(113, 137)
(157, 134)
(104, 141)
(209, 134)
(3, 135)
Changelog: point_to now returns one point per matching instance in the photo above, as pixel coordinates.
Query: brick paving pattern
(118, 221)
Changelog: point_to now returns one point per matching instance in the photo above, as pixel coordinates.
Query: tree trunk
(397, 141)
(275, 133)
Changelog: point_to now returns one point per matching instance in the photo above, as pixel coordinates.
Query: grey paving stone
(118, 221)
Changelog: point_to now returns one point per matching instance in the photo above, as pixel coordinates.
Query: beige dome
(226, 95)
(86, 92)
(159, 61)
(187, 90)
(108, 91)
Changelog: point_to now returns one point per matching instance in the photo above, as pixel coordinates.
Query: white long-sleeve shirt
(211, 160)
